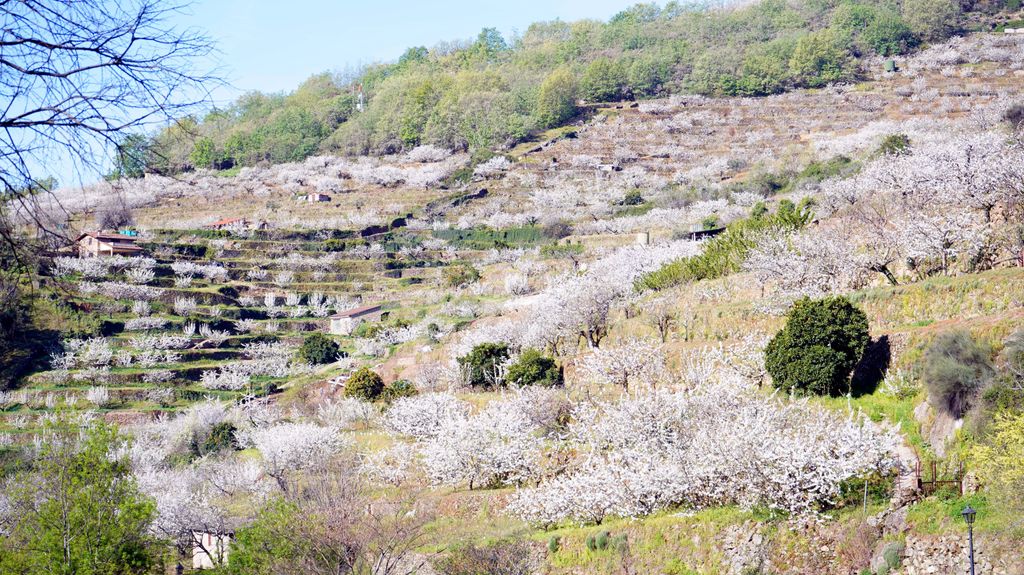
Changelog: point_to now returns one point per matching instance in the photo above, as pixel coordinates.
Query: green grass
(940, 515)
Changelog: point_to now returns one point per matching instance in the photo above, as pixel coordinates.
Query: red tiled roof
(225, 222)
(356, 311)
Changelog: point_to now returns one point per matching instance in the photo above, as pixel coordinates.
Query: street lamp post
(969, 514)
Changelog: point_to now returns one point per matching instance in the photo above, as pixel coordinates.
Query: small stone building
(317, 197)
(98, 244)
(346, 322)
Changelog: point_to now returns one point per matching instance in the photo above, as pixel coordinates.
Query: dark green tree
(398, 388)
(482, 364)
(364, 384)
(819, 346)
(534, 368)
(318, 349)
(78, 510)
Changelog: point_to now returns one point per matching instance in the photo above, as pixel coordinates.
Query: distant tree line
(493, 92)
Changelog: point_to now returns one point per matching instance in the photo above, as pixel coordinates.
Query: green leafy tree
(364, 384)
(556, 101)
(888, 35)
(78, 510)
(317, 349)
(482, 365)
(132, 157)
(460, 275)
(820, 58)
(765, 69)
(602, 81)
(534, 368)
(646, 76)
(204, 153)
(932, 19)
(819, 346)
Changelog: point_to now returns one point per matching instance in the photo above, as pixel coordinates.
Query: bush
(894, 144)
(554, 544)
(483, 363)
(819, 346)
(1015, 116)
(534, 368)
(633, 198)
(317, 349)
(1000, 461)
(334, 245)
(398, 388)
(503, 558)
(956, 368)
(364, 384)
(222, 438)
(460, 275)
(557, 230)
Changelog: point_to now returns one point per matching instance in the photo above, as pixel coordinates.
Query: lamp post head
(969, 514)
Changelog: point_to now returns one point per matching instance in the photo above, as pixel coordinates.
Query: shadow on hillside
(871, 369)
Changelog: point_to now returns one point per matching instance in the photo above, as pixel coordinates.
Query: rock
(895, 521)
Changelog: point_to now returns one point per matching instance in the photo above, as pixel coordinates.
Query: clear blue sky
(272, 45)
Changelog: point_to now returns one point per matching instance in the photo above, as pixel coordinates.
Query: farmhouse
(344, 323)
(209, 550)
(97, 244)
(228, 223)
(317, 197)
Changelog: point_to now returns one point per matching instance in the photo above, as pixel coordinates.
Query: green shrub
(893, 554)
(894, 144)
(398, 388)
(317, 349)
(819, 346)
(334, 245)
(482, 364)
(534, 368)
(591, 543)
(602, 540)
(221, 438)
(955, 369)
(460, 274)
(633, 198)
(561, 250)
(364, 384)
(554, 544)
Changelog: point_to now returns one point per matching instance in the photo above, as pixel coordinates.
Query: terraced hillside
(573, 372)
